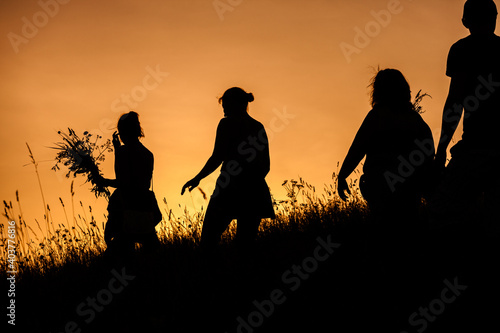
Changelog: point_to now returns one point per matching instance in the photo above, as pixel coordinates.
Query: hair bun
(250, 97)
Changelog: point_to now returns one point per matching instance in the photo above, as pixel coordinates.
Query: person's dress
(134, 169)
(241, 190)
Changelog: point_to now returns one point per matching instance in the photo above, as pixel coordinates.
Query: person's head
(129, 127)
(235, 101)
(390, 88)
(480, 16)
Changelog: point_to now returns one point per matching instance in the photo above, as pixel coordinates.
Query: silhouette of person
(399, 148)
(470, 177)
(464, 208)
(241, 192)
(134, 171)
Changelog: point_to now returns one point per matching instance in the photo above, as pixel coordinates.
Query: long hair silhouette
(133, 209)
(390, 137)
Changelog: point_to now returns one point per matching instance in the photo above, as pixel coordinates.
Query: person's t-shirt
(476, 60)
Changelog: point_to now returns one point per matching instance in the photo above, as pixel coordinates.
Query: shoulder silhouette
(133, 209)
(398, 147)
(241, 192)
(474, 95)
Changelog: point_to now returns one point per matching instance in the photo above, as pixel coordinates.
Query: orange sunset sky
(80, 64)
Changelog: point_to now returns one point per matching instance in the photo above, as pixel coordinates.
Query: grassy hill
(320, 266)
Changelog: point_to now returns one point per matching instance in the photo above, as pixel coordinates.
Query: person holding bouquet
(133, 209)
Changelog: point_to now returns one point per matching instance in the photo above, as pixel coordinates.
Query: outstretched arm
(452, 113)
(212, 164)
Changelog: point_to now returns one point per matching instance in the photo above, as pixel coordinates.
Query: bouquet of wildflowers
(82, 155)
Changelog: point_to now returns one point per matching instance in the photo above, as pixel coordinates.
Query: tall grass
(79, 238)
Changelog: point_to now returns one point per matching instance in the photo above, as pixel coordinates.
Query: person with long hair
(133, 210)
(399, 150)
(241, 192)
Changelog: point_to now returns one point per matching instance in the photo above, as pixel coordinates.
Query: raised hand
(116, 140)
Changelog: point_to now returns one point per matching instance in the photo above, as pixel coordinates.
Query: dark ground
(370, 283)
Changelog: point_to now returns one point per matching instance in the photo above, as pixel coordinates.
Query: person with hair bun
(241, 192)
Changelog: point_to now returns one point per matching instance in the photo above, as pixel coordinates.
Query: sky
(81, 64)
